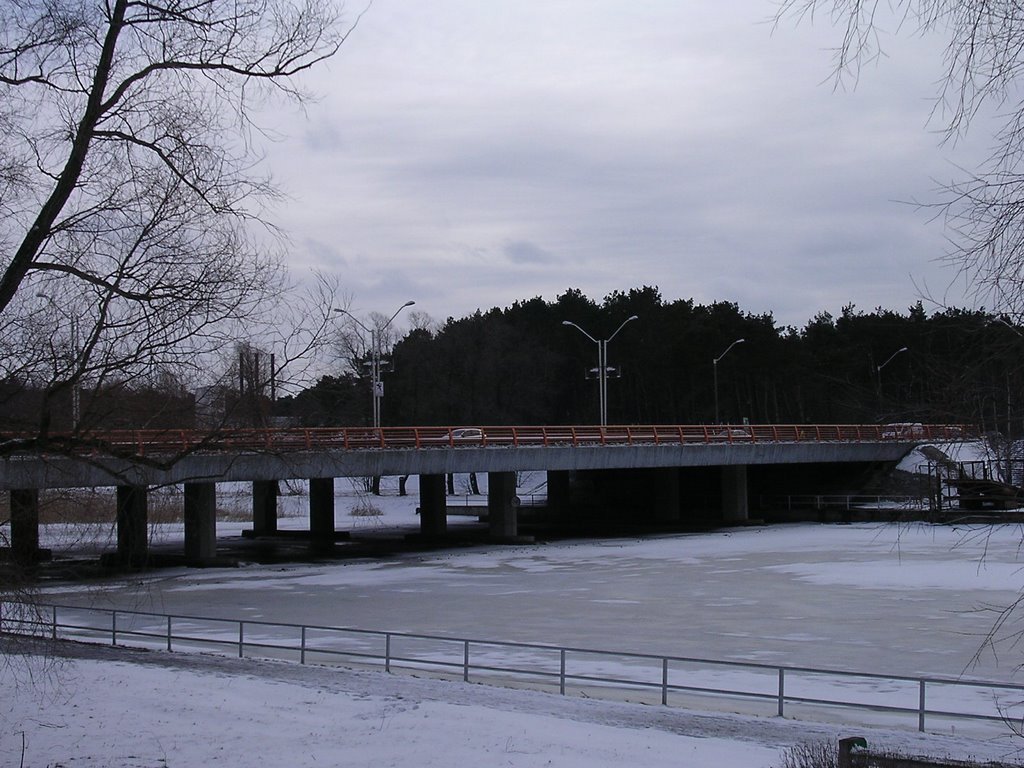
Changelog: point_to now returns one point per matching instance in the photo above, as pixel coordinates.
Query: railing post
(168, 633)
(241, 639)
(113, 627)
(53, 632)
(920, 706)
(387, 652)
(664, 682)
(465, 661)
(302, 653)
(782, 691)
(561, 672)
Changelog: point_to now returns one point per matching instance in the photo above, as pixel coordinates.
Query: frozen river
(913, 599)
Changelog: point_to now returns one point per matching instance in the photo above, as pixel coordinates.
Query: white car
(468, 434)
(903, 431)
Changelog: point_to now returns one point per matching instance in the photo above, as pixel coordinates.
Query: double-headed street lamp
(714, 367)
(376, 384)
(602, 364)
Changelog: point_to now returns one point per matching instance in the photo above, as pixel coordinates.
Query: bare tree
(983, 68)
(132, 220)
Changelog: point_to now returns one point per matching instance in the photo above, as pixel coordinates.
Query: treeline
(522, 365)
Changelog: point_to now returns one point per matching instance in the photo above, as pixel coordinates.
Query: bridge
(663, 466)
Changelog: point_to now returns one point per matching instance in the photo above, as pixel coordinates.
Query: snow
(113, 707)
(957, 451)
(893, 599)
(230, 714)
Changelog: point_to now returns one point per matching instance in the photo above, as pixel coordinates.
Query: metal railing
(668, 680)
(179, 441)
(845, 502)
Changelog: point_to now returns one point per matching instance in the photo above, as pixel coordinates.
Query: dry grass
(811, 754)
(365, 508)
(78, 506)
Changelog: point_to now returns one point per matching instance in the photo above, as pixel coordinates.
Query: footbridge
(663, 468)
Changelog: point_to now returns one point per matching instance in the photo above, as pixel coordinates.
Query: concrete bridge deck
(665, 462)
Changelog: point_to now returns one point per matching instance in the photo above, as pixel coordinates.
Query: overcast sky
(467, 154)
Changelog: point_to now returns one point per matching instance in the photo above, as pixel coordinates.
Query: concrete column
(264, 507)
(558, 491)
(433, 506)
(734, 494)
(25, 526)
(321, 510)
(666, 500)
(132, 524)
(501, 511)
(200, 522)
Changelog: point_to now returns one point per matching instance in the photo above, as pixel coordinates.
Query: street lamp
(376, 384)
(602, 364)
(878, 370)
(898, 351)
(714, 367)
(75, 395)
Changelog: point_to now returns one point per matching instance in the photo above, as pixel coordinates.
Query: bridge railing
(695, 683)
(177, 441)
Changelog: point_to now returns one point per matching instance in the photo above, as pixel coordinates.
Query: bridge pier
(433, 506)
(200, 523)
(264, 507)
(25, 527)
(502, 515)
(666, 496)
(321, 512)
(734, 494)
(132, 524)
(559, 487)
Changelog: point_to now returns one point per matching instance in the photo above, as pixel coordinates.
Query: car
(468, 434)
(906, 430)
(733, 432)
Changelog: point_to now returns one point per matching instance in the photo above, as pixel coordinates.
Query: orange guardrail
(285, 440)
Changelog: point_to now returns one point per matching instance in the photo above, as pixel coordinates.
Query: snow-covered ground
(895, 599)
(116, 708)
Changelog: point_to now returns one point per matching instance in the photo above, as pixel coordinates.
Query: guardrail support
(782, 692)
(241, 639)
(920, 706)
(664, 682)
(465, 661)
(561, 672)
(168, 634)
(113, 628)
(387, 652)
(302, 652)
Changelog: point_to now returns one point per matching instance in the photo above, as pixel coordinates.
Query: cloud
(524, 252)
(682, 144)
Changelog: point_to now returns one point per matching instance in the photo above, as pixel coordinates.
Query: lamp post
(714, 368)
(376, 384)
(602, 365)
(75, 395)
(878, 371)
